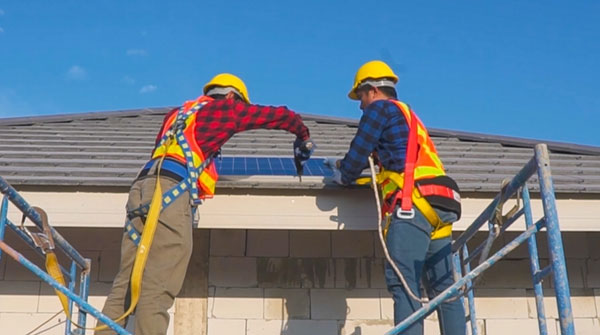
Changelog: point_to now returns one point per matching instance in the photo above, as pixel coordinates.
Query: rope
(382, 240)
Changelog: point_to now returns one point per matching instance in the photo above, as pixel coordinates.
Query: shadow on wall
(356, 209)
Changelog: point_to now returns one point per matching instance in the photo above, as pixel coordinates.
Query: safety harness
(143, 240)
(399, 191)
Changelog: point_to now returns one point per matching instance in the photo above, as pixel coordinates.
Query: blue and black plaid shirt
(382, 128)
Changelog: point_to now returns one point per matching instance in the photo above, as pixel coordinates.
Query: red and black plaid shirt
(220, 119)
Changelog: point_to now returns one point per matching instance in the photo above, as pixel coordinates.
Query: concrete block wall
(302, 282)
(331, 282)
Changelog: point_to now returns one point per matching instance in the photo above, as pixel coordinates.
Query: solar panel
(269, 166)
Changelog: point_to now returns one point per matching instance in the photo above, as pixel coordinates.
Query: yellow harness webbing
(143, 249)
(440, 229)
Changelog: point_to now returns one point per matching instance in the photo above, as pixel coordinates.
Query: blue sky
(515, 68)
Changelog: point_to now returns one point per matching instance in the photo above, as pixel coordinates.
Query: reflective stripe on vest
(207, 179)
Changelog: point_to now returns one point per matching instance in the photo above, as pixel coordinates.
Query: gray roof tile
(107, 149)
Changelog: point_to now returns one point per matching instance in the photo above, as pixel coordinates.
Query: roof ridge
(25, 120)
(554, 146)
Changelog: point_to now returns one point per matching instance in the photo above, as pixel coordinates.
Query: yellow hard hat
(374, 69)
(228, 80)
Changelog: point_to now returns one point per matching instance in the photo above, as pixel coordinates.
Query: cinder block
(353, 273)
(387, 307)
(365, 327)
(236, 303)
(501, 303)
(16, 271)
(227, 242)
(226, 326)
(24, 323)
(310, 243)
(296, 272)
(291, 327)
(109, 264)
(597, 300)
(509, 273)
(480, 325)
(2, 266)
(352, 243)
(515, 326)
(19, 296)
(377, 246)
(350, 273)
(585, 326)
(575, 244)
(593, 274)
(268, 243)
(332, 304)
(283, 304)
(92, 239)
(49, 302)
(98, 293)
(577, 272)
(232, 272)
(377, 274)
(582, 301)
(593, 243)
(386, 304)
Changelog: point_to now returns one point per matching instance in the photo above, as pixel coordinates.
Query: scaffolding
(497, 224)
(78, 275)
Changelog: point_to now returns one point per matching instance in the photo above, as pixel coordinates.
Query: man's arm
(249, 116)
(365, 141)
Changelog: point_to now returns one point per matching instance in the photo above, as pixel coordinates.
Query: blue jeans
(421, 259)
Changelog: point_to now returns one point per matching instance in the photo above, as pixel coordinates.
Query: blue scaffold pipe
(513, 186)
(31, 244)
(504, 227)
(3, 219)
(534, 264)
(454, 289)
(470, 297)
(84, 292)
(72, 289)
(22, 205)
(48, 279)
(555, 245)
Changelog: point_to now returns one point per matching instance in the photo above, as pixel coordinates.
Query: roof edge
(554, 146)
(26, 120)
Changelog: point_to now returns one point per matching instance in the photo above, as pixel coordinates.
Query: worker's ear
(230, 95)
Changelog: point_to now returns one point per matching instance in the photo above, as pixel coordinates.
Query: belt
(170, 168)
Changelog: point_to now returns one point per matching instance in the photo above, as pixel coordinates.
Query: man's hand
(302, 152)
(334, 164)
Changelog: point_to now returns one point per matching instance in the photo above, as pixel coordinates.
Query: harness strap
(168, 198)
(439, 190)
(440, 229)
(409, 166)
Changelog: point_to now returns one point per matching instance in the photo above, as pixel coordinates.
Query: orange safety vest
(208, 178)
(427, 167)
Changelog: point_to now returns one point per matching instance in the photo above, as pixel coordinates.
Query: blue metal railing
(79, 264)
(539, 163)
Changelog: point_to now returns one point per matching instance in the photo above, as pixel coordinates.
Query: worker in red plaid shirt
(205, 123)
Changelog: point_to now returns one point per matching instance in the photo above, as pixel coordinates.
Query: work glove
(302, 152)
(332, 163)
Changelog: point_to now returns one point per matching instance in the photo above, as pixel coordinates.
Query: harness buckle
(402, 214)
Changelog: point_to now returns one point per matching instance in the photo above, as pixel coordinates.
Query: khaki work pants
(166, 266)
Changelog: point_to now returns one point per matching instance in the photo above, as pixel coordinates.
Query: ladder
(79, 264)
(465, 276)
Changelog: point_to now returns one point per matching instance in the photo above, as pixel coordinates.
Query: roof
(108, 148)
